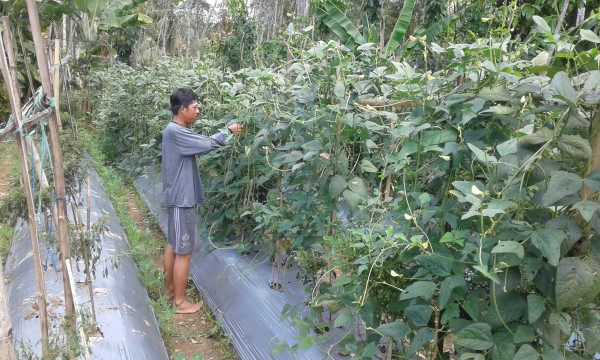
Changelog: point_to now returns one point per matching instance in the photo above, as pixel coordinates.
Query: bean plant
(435, 211)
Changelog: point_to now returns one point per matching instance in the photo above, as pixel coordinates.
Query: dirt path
(196, 334)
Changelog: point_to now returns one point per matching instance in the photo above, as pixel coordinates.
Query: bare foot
(171, 294)
(187, 307)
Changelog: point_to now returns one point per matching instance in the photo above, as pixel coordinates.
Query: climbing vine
(424, 205)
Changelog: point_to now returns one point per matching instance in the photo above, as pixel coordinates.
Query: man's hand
(236, 128)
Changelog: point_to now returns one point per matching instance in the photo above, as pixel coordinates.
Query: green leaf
(280, 347)
(509, 247)
(401, 26)
(397, 330)
(422, 289)
(560, 320)
(592, 341)
(450, 313)
(339, 90)
(576, 282)
(526, 352)
(338, 16)
(336, 186)
(293, 157)
(589, 36)
(504, 351)
(353, 200)
(419, 314)
(587, 208)
(423, 336)
(535, 307)
(524, 334)
(335, 28)
(562, 184)
(575, 146)
(344, 317)
(561, 83)
(498, 93)
(481, 155)
(593, 180)
(471, 356)
(548, 242)
(476, 336)
(314, 145)
(449, 284)
(367, 166)
(541, 25)
(358, 186)
(435, 264)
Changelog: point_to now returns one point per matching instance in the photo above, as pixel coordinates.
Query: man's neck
(177, 120)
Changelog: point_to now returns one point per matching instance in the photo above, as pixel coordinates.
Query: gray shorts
(182, 230)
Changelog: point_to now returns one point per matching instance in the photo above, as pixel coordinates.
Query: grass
(8, 160)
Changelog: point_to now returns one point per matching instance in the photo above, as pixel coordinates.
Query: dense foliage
(460, 209)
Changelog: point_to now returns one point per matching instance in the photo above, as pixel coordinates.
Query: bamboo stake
(7, 349)
(82, 339)
(10, 80)
(86, 258)
(57, 82)
(59, 176)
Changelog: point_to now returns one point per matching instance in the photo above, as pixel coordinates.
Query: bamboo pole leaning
(59, 177)
(10, 80)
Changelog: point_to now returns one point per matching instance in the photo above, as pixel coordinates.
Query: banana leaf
(338, 16)
(401, 26)
(336, 29)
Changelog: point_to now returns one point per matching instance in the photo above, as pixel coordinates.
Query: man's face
(189, 114)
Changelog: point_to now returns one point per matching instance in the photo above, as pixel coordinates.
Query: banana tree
(103, 15)
(349, 35)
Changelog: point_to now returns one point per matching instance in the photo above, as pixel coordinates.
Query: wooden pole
(7, 349)
(59, 176)
(57, 82)
(10, 79)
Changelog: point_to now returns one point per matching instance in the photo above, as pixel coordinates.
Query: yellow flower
(445, 157)
(430, 97)
(429, 77)
(423, 38)
(479, 64)
(412, 38)
(485, 20)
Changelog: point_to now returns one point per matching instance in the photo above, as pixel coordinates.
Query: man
(182, 189)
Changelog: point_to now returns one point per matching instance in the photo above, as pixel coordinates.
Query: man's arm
(190, 143)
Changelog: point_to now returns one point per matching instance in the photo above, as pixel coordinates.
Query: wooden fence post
(6, 339)
(13, 93)
(59, 176)
(57, 82)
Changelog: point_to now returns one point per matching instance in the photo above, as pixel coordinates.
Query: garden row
(467, 205)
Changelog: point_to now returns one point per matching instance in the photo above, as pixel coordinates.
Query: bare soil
(196, 333)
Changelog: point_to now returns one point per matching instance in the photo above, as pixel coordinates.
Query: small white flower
(407, 217)
(523, 99)
(394, 274)
(475, 191)
(445, 157)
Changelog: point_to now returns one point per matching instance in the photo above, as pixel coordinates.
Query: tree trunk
(302, 8)
(580, 13)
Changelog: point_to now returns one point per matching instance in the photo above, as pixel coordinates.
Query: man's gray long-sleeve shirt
(182, 186)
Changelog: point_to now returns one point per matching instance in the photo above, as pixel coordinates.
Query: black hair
(182, 97)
